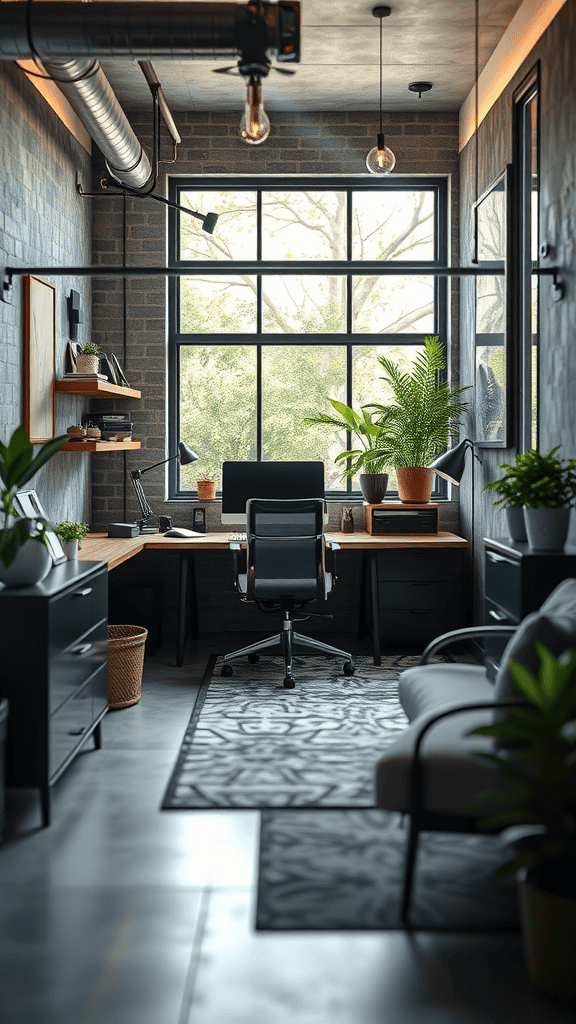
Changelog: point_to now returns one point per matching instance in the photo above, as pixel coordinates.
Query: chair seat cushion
(428, 688)
(453, 777)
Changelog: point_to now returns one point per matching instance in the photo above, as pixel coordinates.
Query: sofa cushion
(427, 688)
(554, 625)
(453, 776)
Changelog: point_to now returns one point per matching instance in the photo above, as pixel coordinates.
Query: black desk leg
(362, 608)
(182, 610)
(45, 802)
(98, 737)
(374, 602)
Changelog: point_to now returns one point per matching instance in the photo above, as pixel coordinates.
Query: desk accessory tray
(397, 517)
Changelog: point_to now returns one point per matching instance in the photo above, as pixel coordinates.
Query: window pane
(304, 305)
(393, 305)
(218, 305)
(217, 407)
(393, 225)
(368, 386)
(304, 226)
(234, 236)
(296, 382)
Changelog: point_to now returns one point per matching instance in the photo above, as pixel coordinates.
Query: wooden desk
(115, 550)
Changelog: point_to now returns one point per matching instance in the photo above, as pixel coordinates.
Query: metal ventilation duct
(67, 37)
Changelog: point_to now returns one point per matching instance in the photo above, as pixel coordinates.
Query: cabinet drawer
(76, 611)
(420, 594)
(69, 669)
(419, 565)
(419, 625)
(67, 727)
(504, 583)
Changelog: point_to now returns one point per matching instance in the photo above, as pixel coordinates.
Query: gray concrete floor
(120, 913)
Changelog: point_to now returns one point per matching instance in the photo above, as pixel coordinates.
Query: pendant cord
(476, 152)
(381, 73)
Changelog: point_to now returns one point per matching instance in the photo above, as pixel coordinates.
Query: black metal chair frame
(288, 604)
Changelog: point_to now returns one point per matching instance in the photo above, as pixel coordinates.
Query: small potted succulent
(87, 358)
(71, 535)
(546, 488)
(206, 488)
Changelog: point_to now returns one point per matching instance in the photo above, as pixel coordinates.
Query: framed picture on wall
(27, 504)
(39, 359)
(493, 317)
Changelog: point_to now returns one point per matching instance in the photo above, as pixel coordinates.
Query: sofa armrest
(468, 633)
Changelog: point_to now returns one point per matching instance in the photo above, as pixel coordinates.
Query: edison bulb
(254, 125)
(380, 160)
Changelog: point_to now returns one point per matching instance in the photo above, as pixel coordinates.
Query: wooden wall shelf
(100, 446)
(94, 389)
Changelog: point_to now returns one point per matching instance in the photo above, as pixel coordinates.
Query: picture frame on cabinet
(39, 359)
(27, 504)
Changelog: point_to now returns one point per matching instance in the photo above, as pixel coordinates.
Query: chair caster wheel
(289, 682)
(226, 670)
(253, 658)
(349, 668)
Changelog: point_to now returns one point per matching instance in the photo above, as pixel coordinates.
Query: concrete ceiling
(422, 40)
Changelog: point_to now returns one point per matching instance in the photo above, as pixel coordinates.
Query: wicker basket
(125, 665)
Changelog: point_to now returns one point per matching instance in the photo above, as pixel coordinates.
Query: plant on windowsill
(545, 488)
(24, 556)
(71, 535)
(539, 809)
(206, 488)
(425, 414)
(368, 461)
(87, 358)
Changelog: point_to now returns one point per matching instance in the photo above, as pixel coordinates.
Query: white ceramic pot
(70, 549)
(516, 524)
(87, 363)
(549, 936)
(30, 565)
(547, 528)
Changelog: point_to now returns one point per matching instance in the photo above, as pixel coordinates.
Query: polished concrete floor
(120, 913)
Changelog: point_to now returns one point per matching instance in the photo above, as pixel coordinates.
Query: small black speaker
(199, 520)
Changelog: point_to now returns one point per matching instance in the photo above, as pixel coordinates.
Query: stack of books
(84, 376)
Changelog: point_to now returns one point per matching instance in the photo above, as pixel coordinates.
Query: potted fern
(419, 423)
(539, 814)
(368, 458)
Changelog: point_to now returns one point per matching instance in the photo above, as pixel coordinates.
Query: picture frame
(39, 359)
(27, 504)
(493, 370)
(121, 379)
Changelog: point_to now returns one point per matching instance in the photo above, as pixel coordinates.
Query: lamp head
(186, 454)
(451, 465)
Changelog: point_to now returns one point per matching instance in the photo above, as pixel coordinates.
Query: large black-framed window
(289, 303)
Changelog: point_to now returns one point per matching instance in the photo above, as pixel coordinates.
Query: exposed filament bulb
(254, 125)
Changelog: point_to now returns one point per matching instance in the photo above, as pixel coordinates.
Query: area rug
(250, 743)
(332, 870)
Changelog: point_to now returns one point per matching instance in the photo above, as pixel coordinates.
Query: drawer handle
(499, 616)
(77, 732)
(500, 558)
(81, 649)
(83, 593)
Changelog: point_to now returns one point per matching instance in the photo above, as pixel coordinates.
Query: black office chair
(284, 568)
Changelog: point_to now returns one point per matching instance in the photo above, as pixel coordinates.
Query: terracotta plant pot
(414, 484)
(206, 490)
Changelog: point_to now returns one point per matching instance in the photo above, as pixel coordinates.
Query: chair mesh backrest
(285, 549)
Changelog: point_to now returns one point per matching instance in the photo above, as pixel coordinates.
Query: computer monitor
(244, 480)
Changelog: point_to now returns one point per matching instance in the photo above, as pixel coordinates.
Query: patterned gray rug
(332, 870)
(250, 743)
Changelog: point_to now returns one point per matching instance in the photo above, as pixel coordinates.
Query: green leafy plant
(537, 481)
(18, 464)
(68, 531)
(371, 435)
(540, 765)
(425, 412)
(89, 349)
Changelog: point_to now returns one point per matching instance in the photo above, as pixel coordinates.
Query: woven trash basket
(125, 665)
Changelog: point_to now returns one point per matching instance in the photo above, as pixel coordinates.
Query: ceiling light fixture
(380, 160)
(254, 123)
(420, 87)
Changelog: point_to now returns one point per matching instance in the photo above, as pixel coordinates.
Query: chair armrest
(469, 632)
(238, 561)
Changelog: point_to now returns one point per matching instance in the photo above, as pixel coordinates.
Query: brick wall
(44, 222)
(130, 318)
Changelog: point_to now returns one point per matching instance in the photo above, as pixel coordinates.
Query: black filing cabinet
(517, 581)
(54, 671)
(413, 595)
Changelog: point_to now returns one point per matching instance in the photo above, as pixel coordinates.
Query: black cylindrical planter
(373, 487)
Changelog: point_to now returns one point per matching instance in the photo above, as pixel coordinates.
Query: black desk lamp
(185, 454)
(451, 465)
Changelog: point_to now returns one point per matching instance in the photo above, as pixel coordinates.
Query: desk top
(98, 547)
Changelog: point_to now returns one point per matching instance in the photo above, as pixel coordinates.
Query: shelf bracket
(6, 291)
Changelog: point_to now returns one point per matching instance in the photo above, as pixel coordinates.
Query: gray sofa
(430, 772)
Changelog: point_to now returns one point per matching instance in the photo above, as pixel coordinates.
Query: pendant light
(254, 124)
(380, 160)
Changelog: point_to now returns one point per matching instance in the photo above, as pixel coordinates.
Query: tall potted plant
(368, 461)
(419, 423)
(24, 557)
(539, 763)
(546, 488)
